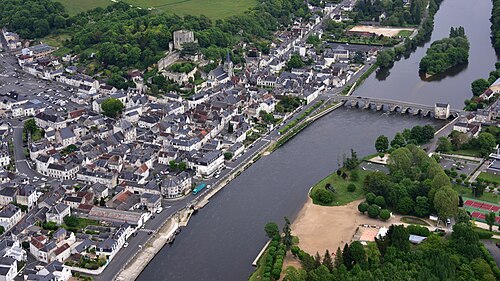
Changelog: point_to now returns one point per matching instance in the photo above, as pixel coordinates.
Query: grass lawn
(55, 40)
(214, 9)
(467, 192)
(74, 7)
(259, 271)
(405, 33)
(489, 177)
(467, 152)
(341, 195)
(414, 220)
(82, 223)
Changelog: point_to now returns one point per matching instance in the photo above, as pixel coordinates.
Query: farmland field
(214, 9)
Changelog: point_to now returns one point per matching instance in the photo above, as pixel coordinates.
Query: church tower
(228, 66)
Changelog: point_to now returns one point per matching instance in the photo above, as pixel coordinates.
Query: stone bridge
(396, 106)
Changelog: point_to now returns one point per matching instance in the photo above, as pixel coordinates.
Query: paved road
(137, 242)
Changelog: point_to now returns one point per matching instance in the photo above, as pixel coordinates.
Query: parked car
(125, 245)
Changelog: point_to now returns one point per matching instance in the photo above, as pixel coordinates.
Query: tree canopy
(446, 53)
(112, 107)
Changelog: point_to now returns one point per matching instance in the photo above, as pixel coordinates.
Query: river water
(222, 240)
(404, 83)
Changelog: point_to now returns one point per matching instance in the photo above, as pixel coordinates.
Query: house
(54, 271)
(12, 249)
(66, 136)
(442, 111)
(7, 195)
(57, 213)
(176, 186)
(110, 246)
(26, 195)
(209, 163)
(8, 269)
(10, 215)
(151, 201)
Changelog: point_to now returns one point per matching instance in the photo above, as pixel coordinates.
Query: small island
(446, 53)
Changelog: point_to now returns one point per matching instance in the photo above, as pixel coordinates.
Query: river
(222, 240)
(404, 83)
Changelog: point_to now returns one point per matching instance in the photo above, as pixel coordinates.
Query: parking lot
(52, 94)
(460, 165)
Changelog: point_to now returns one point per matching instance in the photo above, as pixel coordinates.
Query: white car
(159, 210)
(125, 245)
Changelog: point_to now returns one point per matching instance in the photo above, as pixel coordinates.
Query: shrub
(351, 187)
(385, 214)
(370, 198)
(418, 230)
(354, 175)
(324, 196)
(380, 201)
(363, 207)
(483, 234)
(373, 211)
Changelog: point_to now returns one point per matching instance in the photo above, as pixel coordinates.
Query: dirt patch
(386, 31)
(320, 228)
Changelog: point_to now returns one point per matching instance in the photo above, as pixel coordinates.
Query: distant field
(214, 9)
(386, 31)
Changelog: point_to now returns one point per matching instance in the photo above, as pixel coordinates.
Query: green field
(490, 177)
(214, 9)
(466, 192)
(341, 195)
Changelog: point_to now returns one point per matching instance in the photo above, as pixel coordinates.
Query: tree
(324, 196)
(2, 230)
(271, 229)
(363, 207)
(462, 216)
(351, 162)
(479, 86)
(399, 237)
(351, 187)
(339, 258)
(382, 143)
(444, 145)
(228, 155)
(405, 205)
(385, 58)
(287, 237)
(71, 221)
(354, 175)
(357, 253)
(385, 214)
(370, 198)
(346, 257)
(373, 211)
(446, 202)
(490, 219)
(327, 261)
(380, 201)
(422, 206)
(112, 107)
(294, 62)
(399, 140)
(486, 142)
(230, 128)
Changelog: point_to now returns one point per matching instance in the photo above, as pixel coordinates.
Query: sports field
(214, 9)
(478, 209)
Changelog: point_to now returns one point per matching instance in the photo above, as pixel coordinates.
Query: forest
(396, 13)
(495, 25)
(32, 18)
(417, 185)
(446, 53)
(114, 39)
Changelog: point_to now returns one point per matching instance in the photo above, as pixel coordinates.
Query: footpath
(141, 259)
